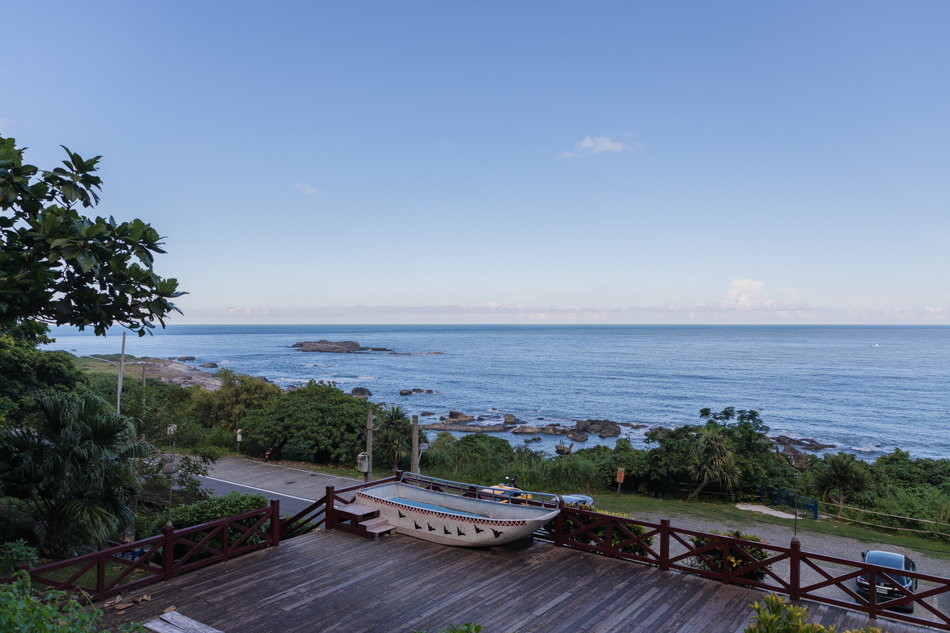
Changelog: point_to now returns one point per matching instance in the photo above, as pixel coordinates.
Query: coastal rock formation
(361, 392)
(805, 443)
(510, 418)
(550, 429)
(603, 428)
(209, 365)
(336, 347)
(426, 414)
(577, 437)
(452, 425)
(458, 416)
(405, 392)
(184, 358)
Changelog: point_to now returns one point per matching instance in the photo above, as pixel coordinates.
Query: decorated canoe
(452, 513)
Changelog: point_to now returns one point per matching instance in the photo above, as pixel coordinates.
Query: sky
(509, 162)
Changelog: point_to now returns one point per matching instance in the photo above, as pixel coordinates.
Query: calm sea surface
(864, 389)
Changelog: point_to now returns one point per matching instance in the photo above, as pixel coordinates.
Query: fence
(787, 570)
(160, 557)
(776, 497)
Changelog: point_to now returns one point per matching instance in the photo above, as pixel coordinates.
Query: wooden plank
(335, 582)
(186, 624)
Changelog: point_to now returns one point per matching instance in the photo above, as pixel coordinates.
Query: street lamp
(118, 395)
(119, 367)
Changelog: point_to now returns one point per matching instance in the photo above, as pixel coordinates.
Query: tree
(841, 473)
(74, 470)
(60, 267)
(320, 418)
(393, 435)
(238, 395)
(712, 459)
(25, 370)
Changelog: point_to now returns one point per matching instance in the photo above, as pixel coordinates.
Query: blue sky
(491, 162)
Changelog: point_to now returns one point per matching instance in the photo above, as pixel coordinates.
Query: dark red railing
(749, 563)
(164, 556)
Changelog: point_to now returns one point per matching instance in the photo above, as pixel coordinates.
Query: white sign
(239, 435)
(172, 428)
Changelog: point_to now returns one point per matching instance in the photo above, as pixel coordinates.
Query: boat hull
(451, 520)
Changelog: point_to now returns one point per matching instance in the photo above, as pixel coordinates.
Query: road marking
(272, 492)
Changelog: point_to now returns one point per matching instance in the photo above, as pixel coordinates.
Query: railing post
(724, 566)
(559, 524)
(762, 493)
(169, 558)
(872, 594)
(795, 571)
(225, 540)
(275, 522)
(330, 512)
(665, 544)
(399, 474)
(100, 579)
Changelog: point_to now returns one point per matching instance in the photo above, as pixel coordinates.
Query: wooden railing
(315, 515)
(788, 570)
(160, 557)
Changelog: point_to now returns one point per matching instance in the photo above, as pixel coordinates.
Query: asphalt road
(295, 488)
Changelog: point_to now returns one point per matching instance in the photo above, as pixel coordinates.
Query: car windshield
(887, 559)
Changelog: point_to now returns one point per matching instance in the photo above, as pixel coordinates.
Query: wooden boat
(453, 513)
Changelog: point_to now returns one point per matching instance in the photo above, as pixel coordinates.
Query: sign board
(620, 475)
(172, 428)
(239, 435)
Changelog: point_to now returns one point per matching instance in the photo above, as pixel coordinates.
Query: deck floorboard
(336, 582)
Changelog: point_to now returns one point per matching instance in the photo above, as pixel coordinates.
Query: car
(887, 586)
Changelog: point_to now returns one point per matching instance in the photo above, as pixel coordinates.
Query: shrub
(14, 553)
(712, 559)
(23, 610)
(775, 615)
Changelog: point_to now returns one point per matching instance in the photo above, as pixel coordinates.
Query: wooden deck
(330, 581)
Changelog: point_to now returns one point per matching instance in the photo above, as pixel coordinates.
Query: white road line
(272, 492)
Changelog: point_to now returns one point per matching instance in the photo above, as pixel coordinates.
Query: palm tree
(711, 459)
(393, 435)
(844, 474)
(74, 470)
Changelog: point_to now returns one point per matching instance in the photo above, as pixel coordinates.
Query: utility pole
(118, 398)
(368, 475)
(415, 445)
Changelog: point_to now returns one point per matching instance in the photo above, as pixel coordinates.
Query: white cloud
(306, 189)
(595, 145)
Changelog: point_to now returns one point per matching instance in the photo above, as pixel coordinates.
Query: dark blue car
(887, 586)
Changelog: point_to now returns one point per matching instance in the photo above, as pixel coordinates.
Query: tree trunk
(695, 494)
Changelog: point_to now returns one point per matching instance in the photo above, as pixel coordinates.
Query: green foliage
(228, 505)
(840, 476)
(392, 436)
(320, 418)
(58, 266)
(776, 615)
(714, 559)
(476, 458)
(24, 610)
(239, 394)
(712, 459)
(25, 370)
(14, 553)
(74, 470)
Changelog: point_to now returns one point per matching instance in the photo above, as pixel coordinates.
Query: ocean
(864, 389)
